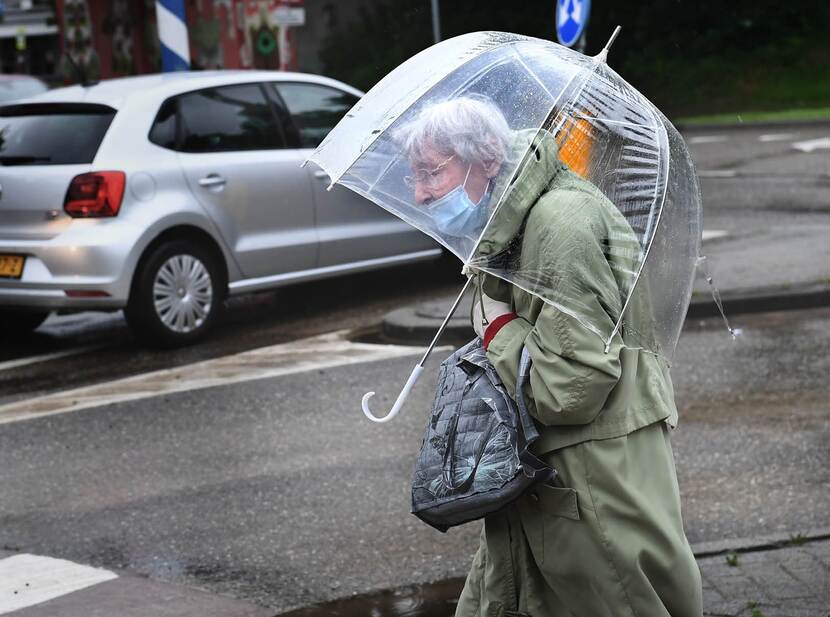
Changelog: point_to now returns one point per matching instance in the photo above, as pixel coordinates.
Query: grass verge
(740, 117)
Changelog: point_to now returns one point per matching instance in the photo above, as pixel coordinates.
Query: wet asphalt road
(250, 322)
(772, 199)
(280, 492)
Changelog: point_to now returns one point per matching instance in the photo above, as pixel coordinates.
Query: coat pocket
(555, 501)
(543, 510)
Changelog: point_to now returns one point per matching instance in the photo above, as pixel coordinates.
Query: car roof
(114, 92)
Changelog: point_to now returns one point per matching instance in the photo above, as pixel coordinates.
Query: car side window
(315, 109)
(228, 118)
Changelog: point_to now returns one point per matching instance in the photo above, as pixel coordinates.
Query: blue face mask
(456, 215)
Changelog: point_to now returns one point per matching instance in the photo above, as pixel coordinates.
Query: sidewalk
(761, 577)
(766, 577)
(792, 581)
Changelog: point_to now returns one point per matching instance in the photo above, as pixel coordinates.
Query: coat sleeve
(572, 374)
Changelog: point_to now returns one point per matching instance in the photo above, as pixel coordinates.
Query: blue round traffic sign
(571, 19)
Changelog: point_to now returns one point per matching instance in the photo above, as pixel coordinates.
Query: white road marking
(712, 234)
(26, 580)
(326, 351)
(707, 139)
(10, 364)
(717, 173)
(776, 137)
(812, 144)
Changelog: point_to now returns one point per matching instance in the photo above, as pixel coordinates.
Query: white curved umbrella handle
(416, 372)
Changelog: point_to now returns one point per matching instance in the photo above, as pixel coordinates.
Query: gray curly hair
(471, 127)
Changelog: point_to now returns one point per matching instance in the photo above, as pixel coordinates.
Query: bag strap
(528, 426)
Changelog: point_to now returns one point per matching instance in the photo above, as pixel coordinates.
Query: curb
(410, 325)
(404, 326)
(762, 301)
(445, 592)
(771, 542)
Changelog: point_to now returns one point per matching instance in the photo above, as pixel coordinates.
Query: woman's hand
(486, 311)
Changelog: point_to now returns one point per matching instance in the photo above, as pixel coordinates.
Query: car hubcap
(183, 293)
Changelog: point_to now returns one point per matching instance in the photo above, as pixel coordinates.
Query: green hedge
(688, 57)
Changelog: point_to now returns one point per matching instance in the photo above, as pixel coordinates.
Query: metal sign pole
(436, 22)
(172, 28)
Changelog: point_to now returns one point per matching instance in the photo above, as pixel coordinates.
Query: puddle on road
(435, 600)
(374, 336)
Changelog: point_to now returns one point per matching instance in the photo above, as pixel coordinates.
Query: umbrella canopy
(542, 103)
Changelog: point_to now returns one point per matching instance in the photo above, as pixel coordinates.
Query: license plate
(11, 266)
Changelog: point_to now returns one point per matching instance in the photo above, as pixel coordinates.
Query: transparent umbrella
(544, 96)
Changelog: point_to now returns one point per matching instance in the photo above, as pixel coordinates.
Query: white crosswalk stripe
(810, 145)
(26, 580)
(776, 137)
(319, 352)
(707, 139)
(17, 363)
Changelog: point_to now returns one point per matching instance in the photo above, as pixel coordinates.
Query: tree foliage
(686, 55)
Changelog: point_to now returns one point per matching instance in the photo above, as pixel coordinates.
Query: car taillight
(95, 194)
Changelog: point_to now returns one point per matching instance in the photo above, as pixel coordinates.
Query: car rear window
(52, 134)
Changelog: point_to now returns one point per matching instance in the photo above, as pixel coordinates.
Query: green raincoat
(608, 539)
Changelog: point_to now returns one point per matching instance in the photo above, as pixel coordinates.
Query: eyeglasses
(427, 177)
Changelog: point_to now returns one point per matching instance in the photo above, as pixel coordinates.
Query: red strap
(496, 325)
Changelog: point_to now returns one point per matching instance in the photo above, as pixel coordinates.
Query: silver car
(163, 194)
(13, 87)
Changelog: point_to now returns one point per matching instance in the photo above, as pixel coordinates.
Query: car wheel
(15, 323)
(178, 294)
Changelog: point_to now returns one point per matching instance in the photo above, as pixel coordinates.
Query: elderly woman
(456, 148)
(607, 539)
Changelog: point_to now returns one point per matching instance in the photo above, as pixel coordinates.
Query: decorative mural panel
(267, 36)
(118, 24)
(152, 46)
(111, 38)
(206, 41)
(78, 41)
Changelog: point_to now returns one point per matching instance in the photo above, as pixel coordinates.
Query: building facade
(113, 38)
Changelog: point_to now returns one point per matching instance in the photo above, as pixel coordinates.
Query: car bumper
(88, 266)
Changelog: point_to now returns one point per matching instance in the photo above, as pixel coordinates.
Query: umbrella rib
(533, 75)
(607, 121)
(643, 263)
(381, 175)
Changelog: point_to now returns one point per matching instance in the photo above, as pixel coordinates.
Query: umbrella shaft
(446, 321)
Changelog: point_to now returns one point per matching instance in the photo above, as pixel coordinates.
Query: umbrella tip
(603, 55)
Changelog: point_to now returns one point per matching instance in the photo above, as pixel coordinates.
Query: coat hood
(539, 165)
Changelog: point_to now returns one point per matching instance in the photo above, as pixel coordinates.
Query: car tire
(177, 296)
(16, 323)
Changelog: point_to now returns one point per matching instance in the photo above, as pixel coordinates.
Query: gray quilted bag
(474, 457)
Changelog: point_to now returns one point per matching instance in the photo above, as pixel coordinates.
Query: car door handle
(322, 176)
(212, 181)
